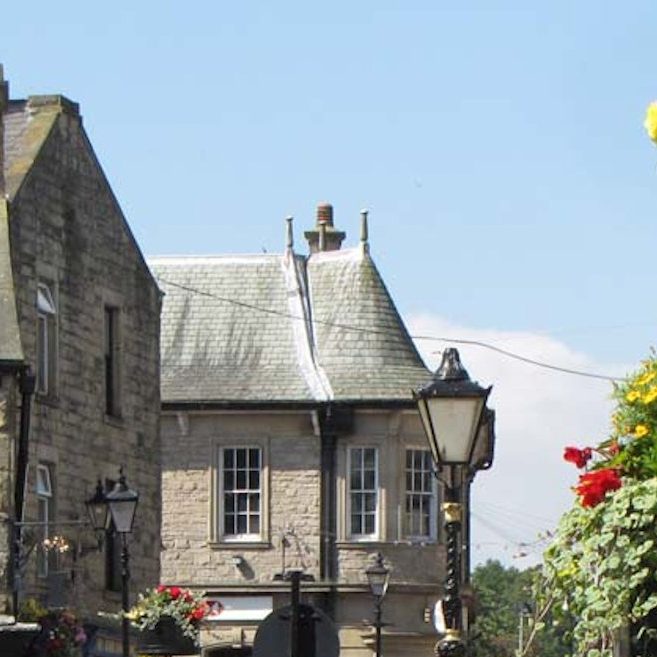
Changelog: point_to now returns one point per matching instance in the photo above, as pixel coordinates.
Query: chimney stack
(324, 237)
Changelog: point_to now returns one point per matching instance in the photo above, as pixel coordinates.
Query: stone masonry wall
(192, 553)
(192, 556)
(68, 231)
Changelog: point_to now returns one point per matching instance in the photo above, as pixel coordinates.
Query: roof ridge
(222, 257)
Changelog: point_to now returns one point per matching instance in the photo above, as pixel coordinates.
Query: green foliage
(635, 422)
(502, 596)
(31, 610)
(601, 567)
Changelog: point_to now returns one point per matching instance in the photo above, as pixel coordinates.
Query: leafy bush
(601, 566)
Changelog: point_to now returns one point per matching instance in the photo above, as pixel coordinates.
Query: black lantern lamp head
(378, 576)
(451, 407)
(122, 503)
(97, 509)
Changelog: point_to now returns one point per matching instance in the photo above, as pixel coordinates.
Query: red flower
(198, 613)
(161, 588)
(593, 486)
(175, 592)
(579, 457)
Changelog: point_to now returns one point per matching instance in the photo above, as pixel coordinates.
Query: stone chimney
(4, 101)
(325, 237)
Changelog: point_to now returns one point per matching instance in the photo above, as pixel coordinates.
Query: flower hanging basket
(166, 638)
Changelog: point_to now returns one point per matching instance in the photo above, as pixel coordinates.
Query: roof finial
(289, 235)
(364, 233)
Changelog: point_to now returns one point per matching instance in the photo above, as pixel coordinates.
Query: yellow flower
(650, 396)
(646, 378)
(650, 124)
(641, 430)
(632, 396)
(568, 571)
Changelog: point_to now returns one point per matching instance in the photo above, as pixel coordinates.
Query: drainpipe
(328, 494)
(27, 384)
(332, 420)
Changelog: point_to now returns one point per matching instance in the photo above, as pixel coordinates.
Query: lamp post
(451, 408)
(119, 506)
(377, 577)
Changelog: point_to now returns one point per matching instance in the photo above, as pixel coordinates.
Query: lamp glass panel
(123, 514)
(483, 448)
(98, 514)
(422, 405)
(378, 581)
(456, 420)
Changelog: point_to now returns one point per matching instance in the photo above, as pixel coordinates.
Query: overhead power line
(371, 331)
(524, 359)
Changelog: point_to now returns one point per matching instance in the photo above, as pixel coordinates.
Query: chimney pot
(324, 237)
(325, 214)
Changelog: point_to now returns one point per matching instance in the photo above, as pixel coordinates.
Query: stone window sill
(239, 545)
(114, 420)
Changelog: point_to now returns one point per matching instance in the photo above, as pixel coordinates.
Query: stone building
(79, 365)
(290, 440)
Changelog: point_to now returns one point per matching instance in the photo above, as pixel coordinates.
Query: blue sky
(498, 145)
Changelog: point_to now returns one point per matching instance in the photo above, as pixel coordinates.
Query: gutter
(295, 405)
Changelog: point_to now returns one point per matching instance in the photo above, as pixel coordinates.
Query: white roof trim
(298, 305)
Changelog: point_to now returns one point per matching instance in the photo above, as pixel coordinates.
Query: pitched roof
(362, 343)
(282, 328)
(11, 351)
(27, 124)
(25, 127)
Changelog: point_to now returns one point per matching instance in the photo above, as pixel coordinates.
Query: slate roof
(26, 125)
(282, 328)
(11, 351)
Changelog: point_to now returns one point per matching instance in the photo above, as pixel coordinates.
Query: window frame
(45, 516)
(46, 339)
(350, 534)
(218, 524)
(433, 496)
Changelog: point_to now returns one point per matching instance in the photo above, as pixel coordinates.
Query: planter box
(166, 639)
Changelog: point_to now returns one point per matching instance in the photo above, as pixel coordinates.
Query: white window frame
(45, 495)
(373, 536)
(45, 339)
(248, 537)
(432, 495)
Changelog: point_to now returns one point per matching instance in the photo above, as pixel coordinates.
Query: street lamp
(97, 509)
(451, 408)
(119, 506)
(377, 577)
